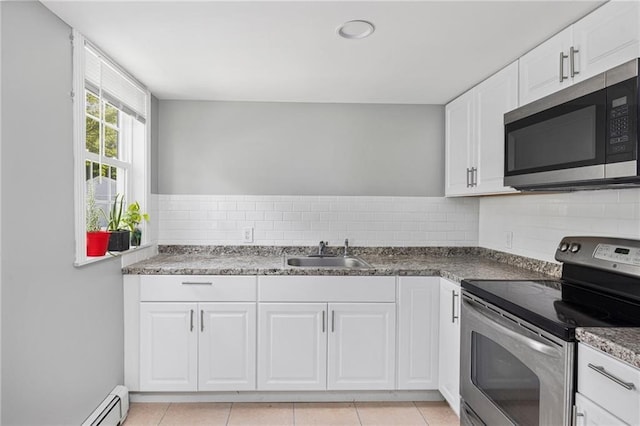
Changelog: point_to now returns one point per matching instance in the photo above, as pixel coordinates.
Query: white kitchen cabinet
(607, 37)
(168, 347)
(612, 385)
(191, 346)
(540, 68)
(459, 144)
(190, 333)
(292, 346)
(227, 346)
(326, 332)
(589, 413)
(418, 323)
(474, 133)
(293, 352)
(449, 343)
(361, 352)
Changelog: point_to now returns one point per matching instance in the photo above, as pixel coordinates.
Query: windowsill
(108, 256)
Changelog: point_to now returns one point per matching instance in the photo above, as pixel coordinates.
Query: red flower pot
(97, 243)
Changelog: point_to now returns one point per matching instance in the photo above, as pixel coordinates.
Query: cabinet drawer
(197, 288)
(593, 368)
(326, 289)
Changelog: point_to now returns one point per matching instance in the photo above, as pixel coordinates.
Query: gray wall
(62, 327)
(154, 144)
(253, 148)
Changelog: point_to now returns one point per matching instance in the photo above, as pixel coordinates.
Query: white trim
(79, 136)
(0, 212)
(110, 255)
(304, 396)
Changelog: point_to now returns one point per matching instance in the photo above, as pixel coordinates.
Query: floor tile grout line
(357, 412)
(164, 414)
(421, 413)
(229, 414)
(293, 412)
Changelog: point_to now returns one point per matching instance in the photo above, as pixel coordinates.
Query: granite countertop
(621, 343)
(451, 263)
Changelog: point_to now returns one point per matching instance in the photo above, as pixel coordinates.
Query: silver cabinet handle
(191, 323)
(468, 180)
(474, 176)
(562, 58)
(197, 283)
(201, 320)
(572, 60)
(323, 314)
(454, 317)
(333, 321)
(576, 414)
(600, 369)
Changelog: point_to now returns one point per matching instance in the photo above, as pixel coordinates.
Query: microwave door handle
(530, 343)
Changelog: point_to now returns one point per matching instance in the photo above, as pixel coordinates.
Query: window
(110, 137)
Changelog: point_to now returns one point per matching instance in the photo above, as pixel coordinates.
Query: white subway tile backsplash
(305, 220)
(539, 221)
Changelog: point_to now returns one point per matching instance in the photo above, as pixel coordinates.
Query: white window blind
(116, 87)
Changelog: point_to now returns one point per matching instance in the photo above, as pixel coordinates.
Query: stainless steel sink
(328, 262)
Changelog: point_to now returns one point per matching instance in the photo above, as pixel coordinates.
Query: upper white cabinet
(474, 133)
(607, 37)
(418, 319)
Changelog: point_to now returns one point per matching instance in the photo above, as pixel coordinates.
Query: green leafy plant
(93, 212)
(132, 216)
(115, 214)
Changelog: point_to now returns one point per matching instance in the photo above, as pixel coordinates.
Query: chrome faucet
(322, 247)
(346, 247)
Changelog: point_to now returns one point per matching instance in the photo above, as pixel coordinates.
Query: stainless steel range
(518, 344)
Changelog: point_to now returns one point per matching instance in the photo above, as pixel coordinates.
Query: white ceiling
(422, 52)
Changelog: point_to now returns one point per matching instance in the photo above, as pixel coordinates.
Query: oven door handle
(528, 342)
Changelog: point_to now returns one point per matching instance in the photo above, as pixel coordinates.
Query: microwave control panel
(621, 106)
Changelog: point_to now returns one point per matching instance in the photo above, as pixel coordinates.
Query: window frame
(136, 167)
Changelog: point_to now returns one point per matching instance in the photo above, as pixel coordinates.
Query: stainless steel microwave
(582, 137)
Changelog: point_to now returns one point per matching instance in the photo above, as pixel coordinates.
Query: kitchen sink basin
(328, 262)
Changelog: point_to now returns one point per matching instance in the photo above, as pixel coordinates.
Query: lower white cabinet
(318, 346)
(608, 389)
(449, 343)
(168, 347)
(292, 346)
(197, 346)
(418, 322)
(589, 413)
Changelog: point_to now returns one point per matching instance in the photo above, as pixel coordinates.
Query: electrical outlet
(247, 234)
(508, 240)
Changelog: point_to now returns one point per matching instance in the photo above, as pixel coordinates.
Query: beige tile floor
(299, 413)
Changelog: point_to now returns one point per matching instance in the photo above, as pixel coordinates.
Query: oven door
(510, 374)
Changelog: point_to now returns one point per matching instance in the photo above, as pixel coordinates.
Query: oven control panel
(618, 255)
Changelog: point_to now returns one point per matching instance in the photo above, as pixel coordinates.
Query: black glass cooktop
(541, 304)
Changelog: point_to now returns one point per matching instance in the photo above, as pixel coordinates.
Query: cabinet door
(449, 347)
(418, 322)
(227, 346)
(361, 346)
(458, 140)
(292, 346)
(607, 37)
(493, 98)
(590, 414)
(168, 347)
(540, 68)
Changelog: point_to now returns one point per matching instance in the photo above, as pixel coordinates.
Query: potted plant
(132, 218)
(97, 240)
(119, 240)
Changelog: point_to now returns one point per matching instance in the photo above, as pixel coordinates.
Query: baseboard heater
(112, 411)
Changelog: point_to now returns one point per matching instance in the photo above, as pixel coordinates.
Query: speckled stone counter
(451, 263)
(621, 343)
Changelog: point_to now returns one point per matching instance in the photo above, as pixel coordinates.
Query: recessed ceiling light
(356, 29)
